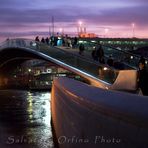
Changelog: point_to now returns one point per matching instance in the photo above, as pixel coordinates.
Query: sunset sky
(28, 18)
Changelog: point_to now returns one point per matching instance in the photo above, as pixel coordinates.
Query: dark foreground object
(86, 116)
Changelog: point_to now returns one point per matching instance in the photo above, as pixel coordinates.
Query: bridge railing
(125, 57)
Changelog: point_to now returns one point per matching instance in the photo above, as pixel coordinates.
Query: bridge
(85, 115)
(102, 76)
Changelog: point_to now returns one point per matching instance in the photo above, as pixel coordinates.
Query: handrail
(128, 58)
(123, 51)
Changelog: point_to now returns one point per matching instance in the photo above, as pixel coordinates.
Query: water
(25, 119)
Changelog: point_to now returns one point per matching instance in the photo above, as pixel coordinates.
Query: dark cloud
(124, 16)
(137, 14)
(18, 34)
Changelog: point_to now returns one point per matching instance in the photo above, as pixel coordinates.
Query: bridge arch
(17, 55)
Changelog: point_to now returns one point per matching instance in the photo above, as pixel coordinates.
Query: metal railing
(125, 57)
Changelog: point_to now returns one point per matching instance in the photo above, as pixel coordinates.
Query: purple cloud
(30, 17)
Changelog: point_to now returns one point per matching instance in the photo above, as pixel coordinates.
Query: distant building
(120, 43)
(87, 35)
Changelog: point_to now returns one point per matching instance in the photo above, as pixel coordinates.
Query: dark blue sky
(32, 17)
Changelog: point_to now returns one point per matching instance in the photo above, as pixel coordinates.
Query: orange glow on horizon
(110, 31)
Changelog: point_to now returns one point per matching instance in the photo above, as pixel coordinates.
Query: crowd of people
(59, 40)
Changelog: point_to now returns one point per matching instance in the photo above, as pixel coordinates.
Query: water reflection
(25, 119)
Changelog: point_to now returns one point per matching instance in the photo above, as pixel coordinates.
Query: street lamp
(80, 23)
(61, 30)
(106, 31)
(133, 29)
(80, 26)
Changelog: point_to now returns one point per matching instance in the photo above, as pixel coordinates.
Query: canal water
(25, 119)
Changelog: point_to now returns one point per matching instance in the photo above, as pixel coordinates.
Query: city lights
(80, 23)
(106, 30)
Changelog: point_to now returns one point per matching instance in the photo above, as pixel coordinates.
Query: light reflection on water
(29, 113)
(39, 107)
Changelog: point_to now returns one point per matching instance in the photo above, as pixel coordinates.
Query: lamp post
(80, 26)
(61, 31)
(133, 30)
(52, 23)
(106, 31)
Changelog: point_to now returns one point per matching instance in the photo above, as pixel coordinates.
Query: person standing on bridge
(37, 39)
(143, 78)
(81, 49)
(47, 41)
(43, 40)
(75, 42)
(100, 53)
(110, 61)
(142, 60)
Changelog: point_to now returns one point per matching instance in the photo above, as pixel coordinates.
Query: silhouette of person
(47, 41)
(100, 54)
(75, 42)
(142, 60)
(81, 49)
(143, 78)
(94, 54)
(43, 40)
(37, 39)
(110, 61)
